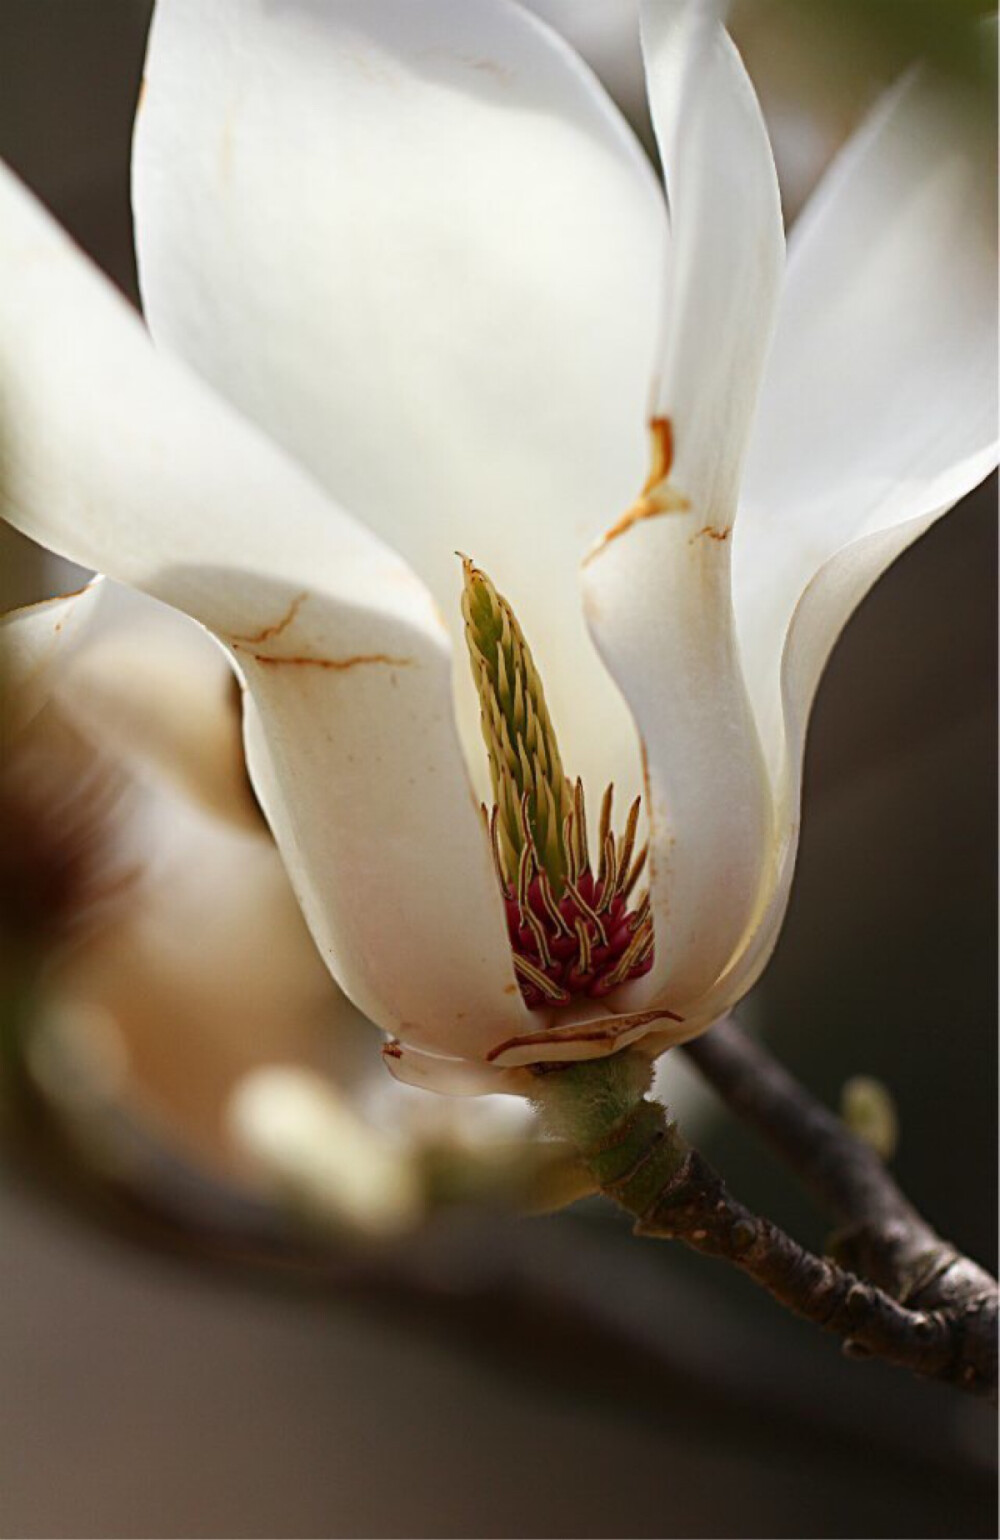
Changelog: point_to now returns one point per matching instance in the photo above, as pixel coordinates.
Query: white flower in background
(186, 964)
(180, 996)
(413, 290)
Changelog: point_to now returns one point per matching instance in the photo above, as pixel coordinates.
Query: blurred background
(179, 1356)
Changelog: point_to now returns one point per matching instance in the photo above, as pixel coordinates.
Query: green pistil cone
(517, 729)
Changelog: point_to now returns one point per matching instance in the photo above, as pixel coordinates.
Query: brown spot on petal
(661, 433)
(712, 532)
(485, 67)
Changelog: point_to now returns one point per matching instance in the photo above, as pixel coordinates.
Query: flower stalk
(638, 1157)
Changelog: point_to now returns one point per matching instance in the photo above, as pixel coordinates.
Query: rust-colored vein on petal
(251, 642)
(340, 665)
(268, 633)
(587, 1032)
(656, 496)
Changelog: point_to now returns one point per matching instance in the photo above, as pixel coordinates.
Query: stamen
(537, 929)
(550, 906)
(542, 983)
(492, 819)
(569, 847)
(525, 873)
(580, 811)
(608, 874)
(630, 881)
(586, 909)
(604, 828)
(629, 957)
(628, 838)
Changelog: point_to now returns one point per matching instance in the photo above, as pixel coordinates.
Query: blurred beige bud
(311, 1148)
(867, 1107)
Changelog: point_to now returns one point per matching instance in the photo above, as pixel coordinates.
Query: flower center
(572, 930)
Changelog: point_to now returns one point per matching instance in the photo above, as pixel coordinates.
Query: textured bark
(881, 1235)
(935, 1314)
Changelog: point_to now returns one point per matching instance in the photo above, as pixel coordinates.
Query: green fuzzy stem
(628, 1143)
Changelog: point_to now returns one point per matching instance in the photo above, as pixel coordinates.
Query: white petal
(835, 591)
(454, 1077)
(658, 589)
(417, 243)
(880, 401)
(727, 248)
(606, 34)
(123, 461)
(878, 414)
(357, 766)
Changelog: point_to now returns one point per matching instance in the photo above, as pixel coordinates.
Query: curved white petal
(727, 248)
(879, 412)
(121, 460)
(880, 401)
(418, 245)
(454, 1077)
(835, 591)
(606, 34)
(658, 589)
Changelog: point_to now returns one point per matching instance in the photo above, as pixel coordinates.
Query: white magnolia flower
(413, 290)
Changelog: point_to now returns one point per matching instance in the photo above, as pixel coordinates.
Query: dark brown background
(142, 1397)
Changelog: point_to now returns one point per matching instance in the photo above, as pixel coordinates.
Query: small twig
(639, 1159)
(882, 1235)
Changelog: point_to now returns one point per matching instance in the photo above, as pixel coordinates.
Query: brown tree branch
(882, 1235)
(639, 1158)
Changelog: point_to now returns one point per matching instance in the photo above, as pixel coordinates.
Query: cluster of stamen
(571, 929)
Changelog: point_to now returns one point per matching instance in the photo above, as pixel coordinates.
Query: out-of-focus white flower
(413, 289)
(312, 1147)
(184, 990)
(190, 963)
